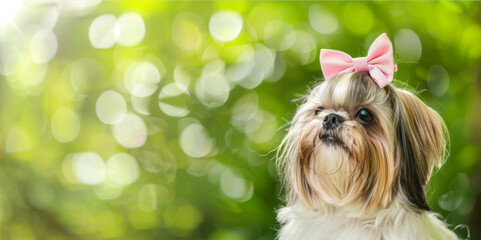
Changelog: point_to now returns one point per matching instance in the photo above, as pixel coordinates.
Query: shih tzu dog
(358, 155)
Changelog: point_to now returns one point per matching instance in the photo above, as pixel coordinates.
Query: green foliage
(159, 119)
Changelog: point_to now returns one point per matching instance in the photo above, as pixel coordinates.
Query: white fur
(340, 93)
(332, 223)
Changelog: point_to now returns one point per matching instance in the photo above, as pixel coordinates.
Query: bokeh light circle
(101, 31)
(186, 32)
(106, 191)
(129, 29)
(73, 8)
(140, 104)
(408, 45)
(455, 197)
(244, 109)
(322, 20)
(88, 168)
(195, 141)
(358, 18)
(243, 66)
(438, 80)
(279, 35)
(43, 46)
(65, 125)
(17, 141)
(280, 66)
(48, 18)
(235, 186)
(225, 25)
(212, 89)
(162, 162)
(30, 79)
(122, 169)
(262, 127)
(8, 10)
(12, 58)
(173, 100)
(141, 79)
(181, 75)
(131, 132)
(110, 107)
(305, 47)
(151, 196)
(264, 59)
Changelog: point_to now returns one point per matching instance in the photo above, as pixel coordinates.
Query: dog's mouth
(333, 141)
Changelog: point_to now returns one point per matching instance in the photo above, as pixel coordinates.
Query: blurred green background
(158, 119)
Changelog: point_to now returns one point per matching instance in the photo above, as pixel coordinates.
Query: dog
(358, 155)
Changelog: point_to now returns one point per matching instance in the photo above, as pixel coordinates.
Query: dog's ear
(421, 143)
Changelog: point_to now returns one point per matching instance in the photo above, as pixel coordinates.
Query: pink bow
(379, 62)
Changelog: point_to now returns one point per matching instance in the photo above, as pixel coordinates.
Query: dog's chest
(394, 223)
(336, 225)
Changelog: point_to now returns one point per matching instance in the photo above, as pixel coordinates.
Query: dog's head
(354, 144)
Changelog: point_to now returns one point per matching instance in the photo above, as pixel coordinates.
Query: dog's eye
(318, 110)
(364, 116)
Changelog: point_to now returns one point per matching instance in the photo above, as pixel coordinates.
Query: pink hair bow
(379, 62)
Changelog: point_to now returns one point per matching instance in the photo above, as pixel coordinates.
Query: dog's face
(353, 144)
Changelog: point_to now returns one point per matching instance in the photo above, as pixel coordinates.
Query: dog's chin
(331, 169)
(331, 141)
(331, 166)
(331, 156)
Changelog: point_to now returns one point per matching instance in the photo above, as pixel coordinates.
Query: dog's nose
(332, 120)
